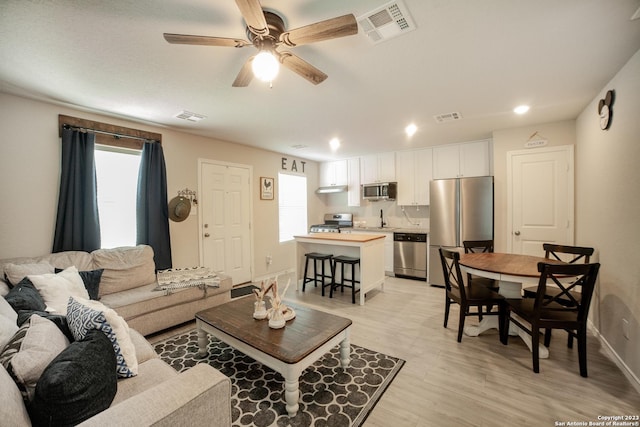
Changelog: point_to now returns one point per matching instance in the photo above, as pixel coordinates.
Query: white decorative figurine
(260, 309)
(279, 313)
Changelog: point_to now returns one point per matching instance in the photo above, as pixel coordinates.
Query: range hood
(332, 189)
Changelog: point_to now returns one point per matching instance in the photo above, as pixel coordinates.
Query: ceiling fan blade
(205, 41)
(254, 16)
(302, 67)
(245, 75)
(341, 26)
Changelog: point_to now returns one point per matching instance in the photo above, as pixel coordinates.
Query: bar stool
(342, 260)
(316, 257)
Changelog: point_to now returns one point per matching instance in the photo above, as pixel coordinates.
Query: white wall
(608, 209)
(29, 177)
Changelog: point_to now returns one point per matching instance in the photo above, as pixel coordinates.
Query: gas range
(333, 223)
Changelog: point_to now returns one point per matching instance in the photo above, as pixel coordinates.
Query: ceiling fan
(266, 31)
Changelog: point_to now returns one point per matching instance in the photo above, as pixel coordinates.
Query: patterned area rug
(330, 395)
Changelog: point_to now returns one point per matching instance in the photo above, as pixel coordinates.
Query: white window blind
(292, 204)
(117, 183)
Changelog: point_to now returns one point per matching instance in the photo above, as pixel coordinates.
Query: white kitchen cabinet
(353, 182)
(388, 248)
(333, 173)
(379, 167)
(462, 160)
(413, 173)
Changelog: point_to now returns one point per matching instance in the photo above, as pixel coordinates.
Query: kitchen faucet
(382, 223)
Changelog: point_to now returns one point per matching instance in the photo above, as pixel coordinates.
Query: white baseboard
(611, 353)
(277, 276)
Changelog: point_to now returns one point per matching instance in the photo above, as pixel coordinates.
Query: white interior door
(540, 199)
(225, 225)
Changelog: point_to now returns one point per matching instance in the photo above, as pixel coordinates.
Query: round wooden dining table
(511, 271)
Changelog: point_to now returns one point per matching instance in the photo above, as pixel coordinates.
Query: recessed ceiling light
(411, 129)
(334, 144)
(521, 109)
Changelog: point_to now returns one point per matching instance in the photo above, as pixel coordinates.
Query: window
(117, 182)
(292, 204)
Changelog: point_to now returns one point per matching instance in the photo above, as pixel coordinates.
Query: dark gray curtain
(77, 222)
(152, 209)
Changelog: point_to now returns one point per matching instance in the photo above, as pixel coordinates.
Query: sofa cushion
(31, 349)
(12, 410)
(91, 280)
(58, 320)
(144, 350)
(57, 288)
(124, 268)
(80, 259)
(25, 296)
(84, 315)
(152, 372)
(79, 383)
(145, 299)
(16, 272)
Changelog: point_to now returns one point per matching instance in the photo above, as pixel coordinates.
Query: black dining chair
(466, 296)
(480, 246)
(553, 312)
(571, 255)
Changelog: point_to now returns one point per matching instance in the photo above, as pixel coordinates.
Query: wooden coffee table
(289, 350)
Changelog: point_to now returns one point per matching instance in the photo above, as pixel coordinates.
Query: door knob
(206, 235)
(517, 233)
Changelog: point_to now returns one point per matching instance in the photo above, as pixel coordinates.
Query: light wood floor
(478, 382)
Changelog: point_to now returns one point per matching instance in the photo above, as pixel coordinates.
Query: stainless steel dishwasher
(410, 255)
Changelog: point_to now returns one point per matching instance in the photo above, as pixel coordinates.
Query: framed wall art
(266, 188)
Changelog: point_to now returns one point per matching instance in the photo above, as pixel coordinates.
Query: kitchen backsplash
(368, 214)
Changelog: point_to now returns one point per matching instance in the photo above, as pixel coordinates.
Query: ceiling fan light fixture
(265, 66)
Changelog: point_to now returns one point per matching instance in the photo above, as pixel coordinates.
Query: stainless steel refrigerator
(460, 209)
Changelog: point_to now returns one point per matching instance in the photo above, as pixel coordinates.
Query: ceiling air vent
(386, 22)
(188, 115)
(447, 117)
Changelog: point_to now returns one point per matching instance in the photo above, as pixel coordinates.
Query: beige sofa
(128, 283)
(158, 395)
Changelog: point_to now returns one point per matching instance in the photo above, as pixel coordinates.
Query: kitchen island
(368, 247)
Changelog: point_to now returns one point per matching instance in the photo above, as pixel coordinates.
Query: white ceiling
(478, 58)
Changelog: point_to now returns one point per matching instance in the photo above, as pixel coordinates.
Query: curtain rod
(115, 135)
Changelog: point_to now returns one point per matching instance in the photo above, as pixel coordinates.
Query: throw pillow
(78, 384)
(91, 280)
(57, 288)
(84, 315)
(31, 349)
(8, 325)
(58, 320)
(125, 268)
(16, 272)
(25, 296)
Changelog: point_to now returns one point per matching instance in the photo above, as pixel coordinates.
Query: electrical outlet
(269, 259)
(625, 328)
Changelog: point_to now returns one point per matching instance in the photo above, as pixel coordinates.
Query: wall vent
(447, 117)
(386, 22)
(188, 115)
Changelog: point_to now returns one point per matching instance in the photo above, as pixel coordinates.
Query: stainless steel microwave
(379, 191)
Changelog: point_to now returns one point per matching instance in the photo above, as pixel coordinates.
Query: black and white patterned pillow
(82, 319)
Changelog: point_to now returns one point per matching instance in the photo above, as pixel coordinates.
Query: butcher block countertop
(342, 237)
